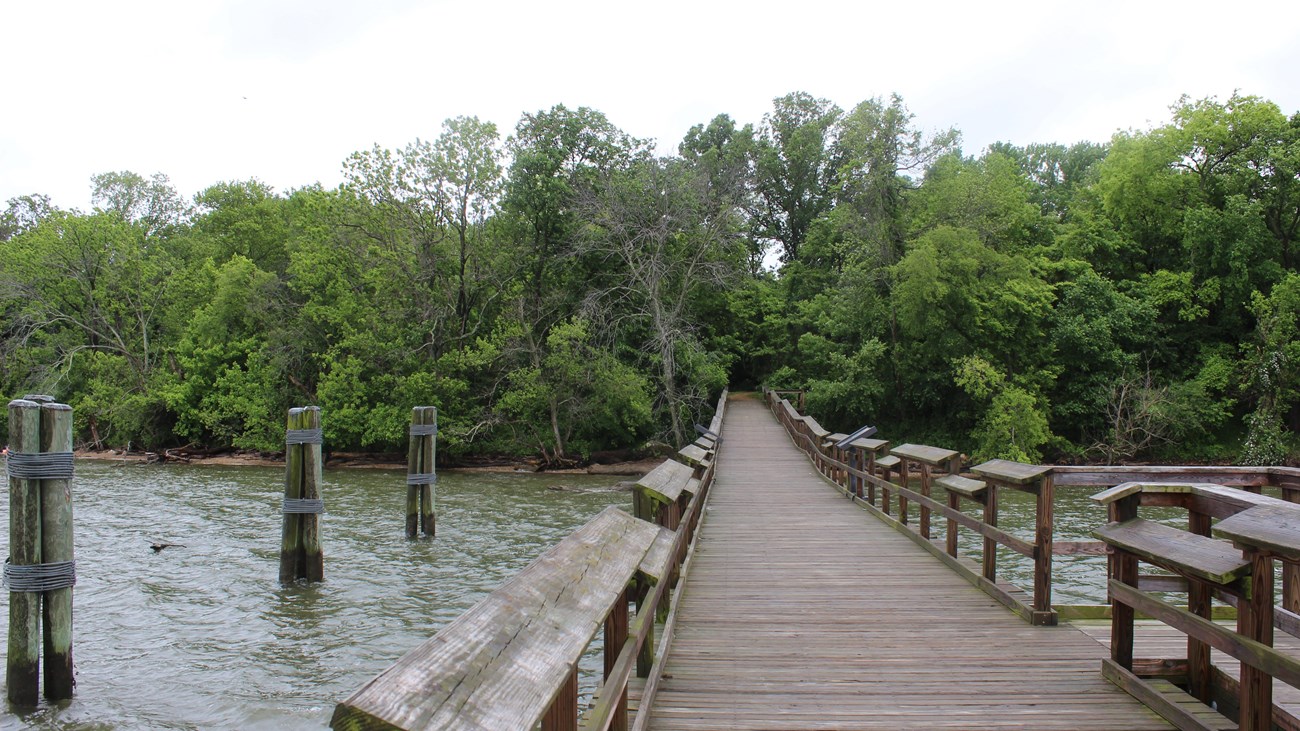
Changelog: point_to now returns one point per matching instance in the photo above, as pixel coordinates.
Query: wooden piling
(22, 665)
(56, 547)
(313, 476)
(291, 536)
(413, 468)
(428, 455)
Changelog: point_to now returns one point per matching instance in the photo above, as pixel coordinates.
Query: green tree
(795, 169)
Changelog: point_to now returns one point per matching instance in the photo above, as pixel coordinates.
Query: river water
(203, 636)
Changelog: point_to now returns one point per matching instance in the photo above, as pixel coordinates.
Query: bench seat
(964, 486)
(1184, 553)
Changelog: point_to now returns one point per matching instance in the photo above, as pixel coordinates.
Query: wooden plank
(695, 456)
(1177, 550)
(500, 664)
(1180, 709)
(656, 564)
(869, 444)
(933, 456)
(1280, 666)
(1011, 473)
(1273, 528)
(666, 482)
(888, 462)
(964, 486)
(1106, 497)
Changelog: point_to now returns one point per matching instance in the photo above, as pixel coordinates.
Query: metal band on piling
(40, 577)
(42, 466)
(424, 430)
(425, 478)
(304, 436)
(304, 506)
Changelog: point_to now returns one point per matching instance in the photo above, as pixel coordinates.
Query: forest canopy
(563, 289)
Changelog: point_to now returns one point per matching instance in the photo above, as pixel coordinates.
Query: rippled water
(204, 636)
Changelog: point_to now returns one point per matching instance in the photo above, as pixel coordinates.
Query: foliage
(563, 291)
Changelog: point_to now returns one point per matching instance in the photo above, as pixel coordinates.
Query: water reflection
(203, 636)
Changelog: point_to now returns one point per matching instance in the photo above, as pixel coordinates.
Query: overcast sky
(284, 90)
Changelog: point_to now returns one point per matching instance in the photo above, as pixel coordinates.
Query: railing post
(1255, 622)
(1291, 571)
(925, 511)
(902, 497)
(990, 553)
(954, 502)
(1123, 567)
(858, 464)
(1043, 525)
(1198, 603)
(616, 625)
(563, 713)
(885, 491)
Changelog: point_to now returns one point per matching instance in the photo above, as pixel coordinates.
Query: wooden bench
(1206, 567)
(1183, 553)
(865, 451)
(925, 458)
(662, 493)
(696, 456)
(510, 660)
(958, 487)
(963, 486)
(1036, 480)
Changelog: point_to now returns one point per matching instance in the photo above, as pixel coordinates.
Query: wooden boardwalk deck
(801, 611)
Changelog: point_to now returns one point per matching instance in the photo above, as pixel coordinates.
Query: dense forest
(564, 290)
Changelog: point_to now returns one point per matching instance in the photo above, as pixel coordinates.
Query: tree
(555, 154)
(652, 227)
(795, 169)
(245, 218)
(468, 161)
(152, 204)
(880, 157)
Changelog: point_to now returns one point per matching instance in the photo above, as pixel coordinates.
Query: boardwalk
(802, 611)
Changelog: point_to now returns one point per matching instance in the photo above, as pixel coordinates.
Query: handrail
(1035, 606)
(1205, 567)
(434, 685)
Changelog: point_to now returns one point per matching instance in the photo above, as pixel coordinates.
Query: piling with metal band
(420, 471)
(300, 550)
(22, 663)
(41, 571)
(56, 549)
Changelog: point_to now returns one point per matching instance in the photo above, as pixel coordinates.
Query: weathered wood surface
(694, 455)
(933, 456)
(497, 666)
(1158, 640)
(1011, 473)
(869, 444)
(964, 486)
(1225, 475)
(802, 611)
(1272, 528)
(1177, 550)
(667, 481)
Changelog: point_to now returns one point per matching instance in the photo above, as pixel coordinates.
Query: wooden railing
(1237, 571)
(867, 469)
(1262, 528)
(510, 661)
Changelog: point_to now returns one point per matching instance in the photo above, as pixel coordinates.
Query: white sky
(284, 90)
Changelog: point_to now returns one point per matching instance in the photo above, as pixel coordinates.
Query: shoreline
(358, 462)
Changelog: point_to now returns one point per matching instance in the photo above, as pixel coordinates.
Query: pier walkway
(801, 611)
